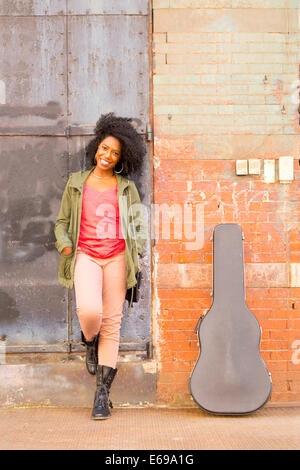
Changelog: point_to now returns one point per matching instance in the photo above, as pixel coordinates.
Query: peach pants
(100, 289)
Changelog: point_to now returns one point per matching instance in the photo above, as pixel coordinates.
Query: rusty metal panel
(32, 7)
(54, 54)
(33, 307)
(88, 7)
(32, 314)
(108, 71)
(76, 7)
(33, 75)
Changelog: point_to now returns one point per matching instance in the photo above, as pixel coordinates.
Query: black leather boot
(91, 358)
(105, 376)
(109, 378)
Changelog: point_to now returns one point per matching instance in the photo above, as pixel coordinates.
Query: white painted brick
(159, 38)
(208, 119)
(217, 78)
(258, 109)
(247, 37)
(160, 4)
(218, 98)
(185, 90)
(191, 99)
(286, 169)
(246, 78)
(254, 165)
(197, 59)
(233, 68)
(287, 78)
(265, 68)
(290, 68)
(250, 120)
(185, 48)
(186, 68)
(200, 4)
(292, 37)
(256, 129)
(266, 275)
(269, 171)
(257, 89)
(230, 48)
(276, 119)
(264, 4)
(195, 129)
(275, 37)
(271, 99)
(191, 130)
(158, 59)
(291, 108)
(290, 130)
(233, 109)
(186, 109)
(281, 4)
(194, 38)
(247, 99)
(280, 58)
(176, 79)
(265, 47)
(247, 4)
(214, 20)
(233, 89)
(292, 48)
(241, 167)
(263, 58)
(248, 58)
(295, 274)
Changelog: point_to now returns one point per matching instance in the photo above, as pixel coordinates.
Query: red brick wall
(213, 106)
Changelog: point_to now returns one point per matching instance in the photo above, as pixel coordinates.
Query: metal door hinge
(149, 349)
(68, 131)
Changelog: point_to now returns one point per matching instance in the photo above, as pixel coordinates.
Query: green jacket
(67, 226)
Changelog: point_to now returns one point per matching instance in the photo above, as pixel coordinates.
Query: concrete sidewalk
(148, 428)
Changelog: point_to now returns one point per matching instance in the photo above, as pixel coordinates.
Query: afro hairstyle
(133, 146)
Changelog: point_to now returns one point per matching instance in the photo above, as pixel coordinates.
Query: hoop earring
(118, 172)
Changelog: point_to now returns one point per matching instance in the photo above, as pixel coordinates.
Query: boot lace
(101, 398)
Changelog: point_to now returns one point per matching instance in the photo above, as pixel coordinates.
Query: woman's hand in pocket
(67, 250)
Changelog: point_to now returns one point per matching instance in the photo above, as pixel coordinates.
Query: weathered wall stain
(52, 110)
(8, 309)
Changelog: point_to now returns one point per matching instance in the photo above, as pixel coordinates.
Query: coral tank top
(100, 228)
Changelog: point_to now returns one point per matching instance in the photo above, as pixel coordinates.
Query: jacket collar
(79, 178)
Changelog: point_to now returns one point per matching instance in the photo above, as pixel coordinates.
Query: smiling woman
(99, 254)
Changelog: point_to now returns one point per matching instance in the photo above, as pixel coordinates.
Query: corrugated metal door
(63, 64)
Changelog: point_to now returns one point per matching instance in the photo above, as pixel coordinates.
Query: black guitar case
(229, 376)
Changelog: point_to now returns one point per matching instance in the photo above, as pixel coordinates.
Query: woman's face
(108, 153)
